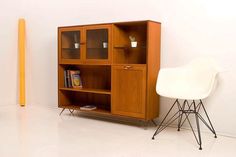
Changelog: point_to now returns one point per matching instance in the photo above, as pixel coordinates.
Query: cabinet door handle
(127, 67)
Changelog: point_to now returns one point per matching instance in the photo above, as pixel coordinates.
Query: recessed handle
(127, 67)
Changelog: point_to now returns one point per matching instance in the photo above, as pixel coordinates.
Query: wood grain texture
(153, 66)
(128, 90)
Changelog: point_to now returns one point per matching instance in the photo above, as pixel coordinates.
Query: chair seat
(184, 92)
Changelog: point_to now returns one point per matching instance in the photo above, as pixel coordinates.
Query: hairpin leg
(62, 111)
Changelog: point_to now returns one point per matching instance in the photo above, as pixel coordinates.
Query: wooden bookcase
(116, 78)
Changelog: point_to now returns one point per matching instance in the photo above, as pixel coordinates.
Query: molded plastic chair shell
(192, 81)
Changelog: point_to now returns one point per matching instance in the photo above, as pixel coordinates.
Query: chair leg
(198, 126)
(181, 115)
(159, 127)
(180, 120)
(212, 128)
(186, 109)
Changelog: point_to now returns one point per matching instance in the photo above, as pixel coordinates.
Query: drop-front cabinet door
(128, 90)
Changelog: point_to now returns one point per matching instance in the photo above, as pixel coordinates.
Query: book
(75, 78)
(88, 107)
(68, 79)
(65, 79)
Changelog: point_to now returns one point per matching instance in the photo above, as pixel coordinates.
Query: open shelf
(74, 100)
(88, 90)
(95, 78)
(77, 107)
(123, 53)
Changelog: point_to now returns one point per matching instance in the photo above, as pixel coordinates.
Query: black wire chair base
(185, 110)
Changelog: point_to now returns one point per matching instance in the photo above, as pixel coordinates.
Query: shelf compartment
(95, 78)
(73, 99)
(123, 53)
(77, 107)
(88, 90)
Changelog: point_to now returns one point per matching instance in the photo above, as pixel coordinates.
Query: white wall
(8, 49)
(190, 28)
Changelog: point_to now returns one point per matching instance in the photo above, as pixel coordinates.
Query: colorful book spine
(75, 78)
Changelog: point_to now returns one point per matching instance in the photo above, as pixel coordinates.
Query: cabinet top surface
(126, 22)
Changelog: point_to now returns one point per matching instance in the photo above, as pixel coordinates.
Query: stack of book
(72, 79)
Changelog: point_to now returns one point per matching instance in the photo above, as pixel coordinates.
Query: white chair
(192, 82)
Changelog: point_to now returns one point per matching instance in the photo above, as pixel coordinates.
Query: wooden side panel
(129, 90)
(153, 66)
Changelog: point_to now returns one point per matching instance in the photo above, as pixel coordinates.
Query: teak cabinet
(116, 78)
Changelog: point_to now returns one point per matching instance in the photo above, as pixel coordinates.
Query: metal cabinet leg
(62, 111)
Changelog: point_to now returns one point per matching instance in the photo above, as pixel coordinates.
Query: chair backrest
(205, 71)
(204, 64)
(202, 73)
(194, 80)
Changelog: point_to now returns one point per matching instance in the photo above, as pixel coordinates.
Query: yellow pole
(21, 46)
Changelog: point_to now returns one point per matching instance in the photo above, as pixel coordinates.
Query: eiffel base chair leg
(185, 110)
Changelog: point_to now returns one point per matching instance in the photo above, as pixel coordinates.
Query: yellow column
(21, 47)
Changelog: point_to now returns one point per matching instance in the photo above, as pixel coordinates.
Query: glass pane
(97, 44)
(70, 45)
